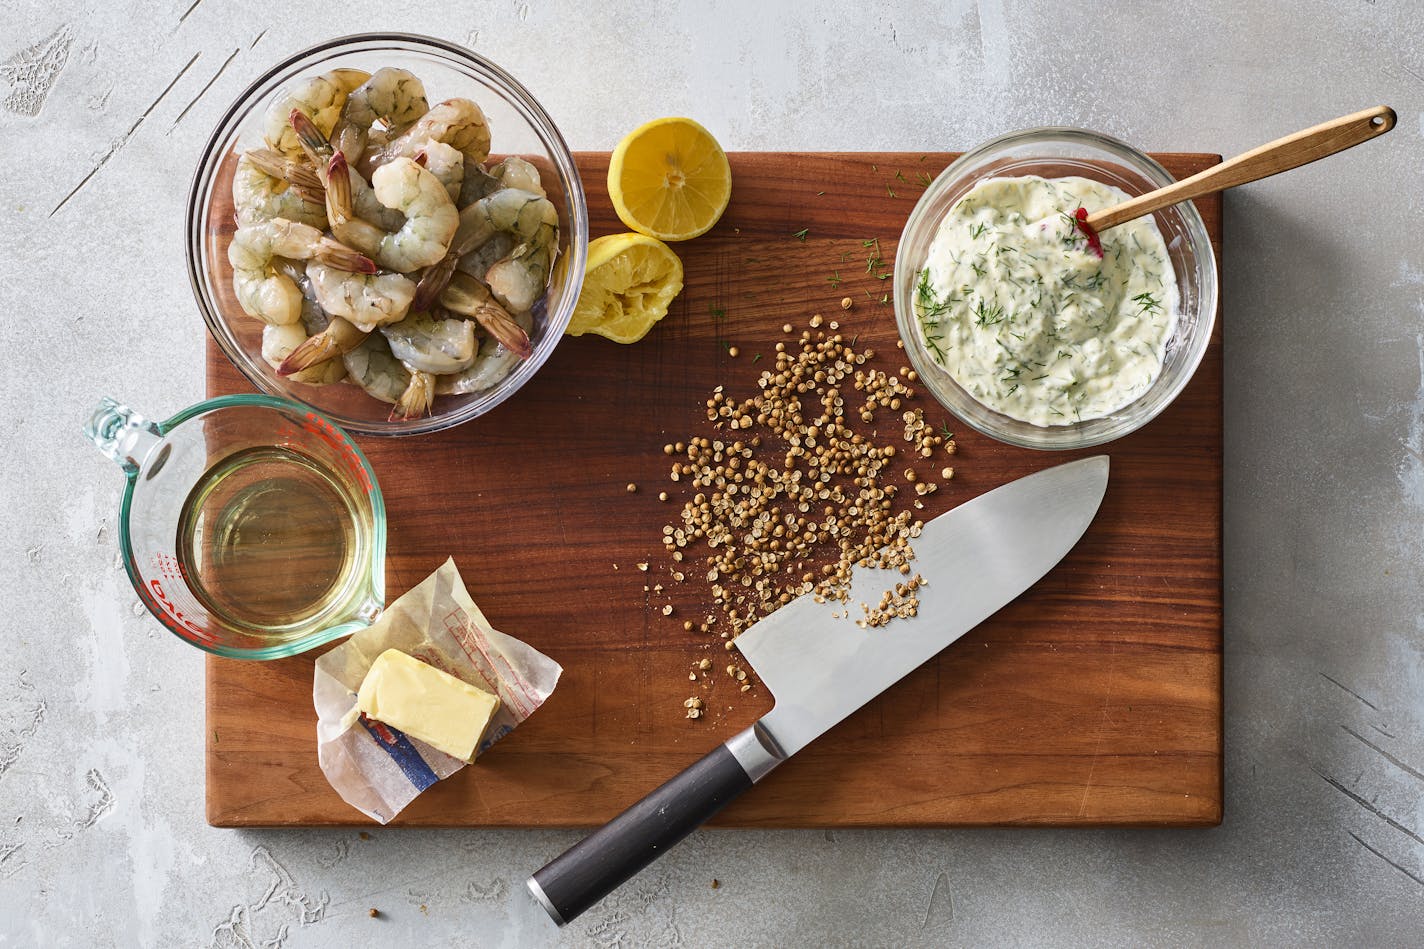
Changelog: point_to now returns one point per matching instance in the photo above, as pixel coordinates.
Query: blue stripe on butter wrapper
(402, 752)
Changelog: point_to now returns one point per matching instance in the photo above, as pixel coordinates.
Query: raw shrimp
(525, 216)
(492, 364)
(511, 173)
(404, 186)
(363, 199)
(468, 297)
(372, 367)
(518, 280)
(320, 98)
(279, 342)
(394, 97)
(265, 292)
(478, 261)
(258, 196)
(426, 344)
(382, 376)
(366, 300)
(337, 338)
(445, 163)
(456, 122)
(515, 172)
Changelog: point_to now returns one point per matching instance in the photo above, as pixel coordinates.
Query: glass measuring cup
(251, 526)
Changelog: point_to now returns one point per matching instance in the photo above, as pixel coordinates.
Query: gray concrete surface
(102, 839)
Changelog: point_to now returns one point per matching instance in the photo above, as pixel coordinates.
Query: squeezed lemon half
(670, 179)
(629, 282)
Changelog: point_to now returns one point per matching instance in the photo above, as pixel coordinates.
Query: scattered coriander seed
(373, 912)
(946, 473)
(847, 303)
(764, 525)
(667, 610)
(632, 487)
(733, 351)
(643, 567)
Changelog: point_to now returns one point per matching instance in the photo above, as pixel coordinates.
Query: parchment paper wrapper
(379, 770)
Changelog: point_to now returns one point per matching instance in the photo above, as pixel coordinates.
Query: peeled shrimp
(279, 342)
(477, 262)
(523, 215)
(265, 292)
(518, 280)
(493, 362)
(394, 97)
(511, 173)
(445, 163)
(366, 300)
(426, 344)
(257, 197)
(459, 123)
(466, 296)
(320, 98)
(404, 186)
(382, 376)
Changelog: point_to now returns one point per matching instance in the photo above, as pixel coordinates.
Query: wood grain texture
(1093, 699)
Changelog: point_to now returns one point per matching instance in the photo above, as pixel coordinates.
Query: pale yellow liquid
(271, 539)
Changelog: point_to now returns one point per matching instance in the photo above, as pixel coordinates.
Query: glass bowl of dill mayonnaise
(1023, 328)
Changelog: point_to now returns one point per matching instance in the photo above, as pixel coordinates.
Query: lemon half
(628, 284)
(670, 179)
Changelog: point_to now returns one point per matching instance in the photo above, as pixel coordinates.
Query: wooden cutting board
(1093, 699)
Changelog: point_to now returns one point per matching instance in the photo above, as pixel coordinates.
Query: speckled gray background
(102, 839)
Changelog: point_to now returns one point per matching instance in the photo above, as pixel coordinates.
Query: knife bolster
(755, 751)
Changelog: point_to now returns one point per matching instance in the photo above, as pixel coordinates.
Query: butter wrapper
(379, 770)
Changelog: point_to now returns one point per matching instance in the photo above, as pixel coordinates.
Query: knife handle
(596, 866)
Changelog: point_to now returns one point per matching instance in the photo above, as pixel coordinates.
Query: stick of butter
(426, 703)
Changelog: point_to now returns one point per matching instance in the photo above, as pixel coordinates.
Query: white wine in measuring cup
(270, 538)
(251, 527)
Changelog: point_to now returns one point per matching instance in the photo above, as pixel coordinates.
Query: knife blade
(821, 667)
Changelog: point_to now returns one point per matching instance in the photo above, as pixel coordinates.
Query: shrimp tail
(415, 400)
(309, 136)
(433, 282)
(499, 324)
(341, 257)
(338, 339)
(301, 178)
(338, 189)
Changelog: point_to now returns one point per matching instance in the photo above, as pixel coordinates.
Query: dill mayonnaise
(1028, 318)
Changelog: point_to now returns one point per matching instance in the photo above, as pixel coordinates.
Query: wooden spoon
(1272, 158)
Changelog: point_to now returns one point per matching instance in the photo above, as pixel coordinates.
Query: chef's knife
(820, 668)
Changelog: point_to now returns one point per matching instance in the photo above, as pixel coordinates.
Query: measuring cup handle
(123, 435)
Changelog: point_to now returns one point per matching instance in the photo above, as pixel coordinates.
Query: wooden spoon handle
(1283, 154)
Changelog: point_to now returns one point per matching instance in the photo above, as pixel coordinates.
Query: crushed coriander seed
(788, 498)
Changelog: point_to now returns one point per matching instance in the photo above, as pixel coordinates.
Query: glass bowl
(518, 126)
(1057, 153)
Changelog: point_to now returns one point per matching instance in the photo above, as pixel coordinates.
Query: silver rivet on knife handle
(755, 751)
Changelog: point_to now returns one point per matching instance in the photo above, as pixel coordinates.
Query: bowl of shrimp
(390, 229)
